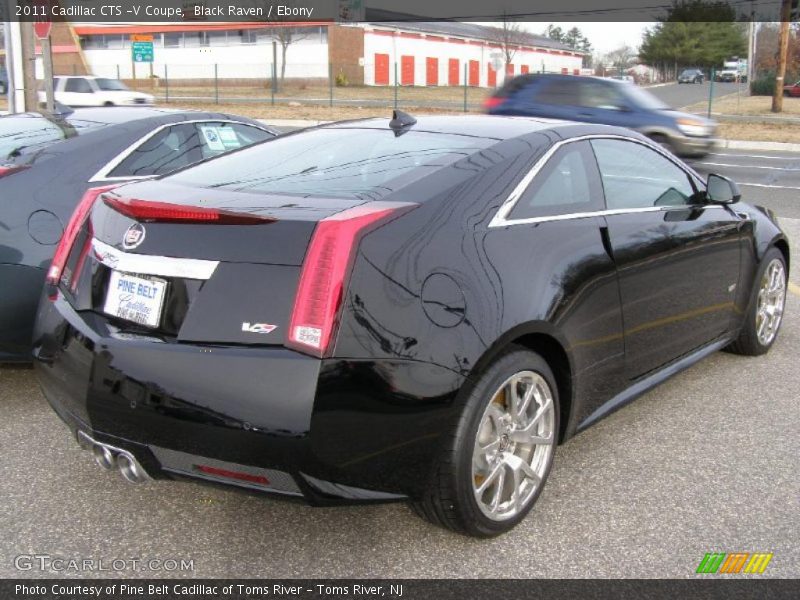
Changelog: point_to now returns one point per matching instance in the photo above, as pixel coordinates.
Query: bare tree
(510, 37)
(286, 36)
(621, 58)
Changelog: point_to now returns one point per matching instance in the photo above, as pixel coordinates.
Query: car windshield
(644, 99)
(111, 85)
(688, 73)
(336, 162)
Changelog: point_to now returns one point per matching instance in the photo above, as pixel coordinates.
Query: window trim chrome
(501, 219)
(102, 174)
(146, 264)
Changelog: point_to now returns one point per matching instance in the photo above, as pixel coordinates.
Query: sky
(603, 36)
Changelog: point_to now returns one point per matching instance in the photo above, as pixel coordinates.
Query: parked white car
(95, 91)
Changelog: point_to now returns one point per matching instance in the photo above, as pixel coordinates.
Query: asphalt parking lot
(706, 462)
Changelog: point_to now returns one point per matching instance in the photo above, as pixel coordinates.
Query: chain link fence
(462, 87)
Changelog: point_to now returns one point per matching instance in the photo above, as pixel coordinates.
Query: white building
(418, 54)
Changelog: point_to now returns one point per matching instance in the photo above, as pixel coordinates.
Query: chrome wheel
(514, 445)
(771, 299)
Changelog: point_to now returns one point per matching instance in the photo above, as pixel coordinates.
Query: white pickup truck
(95, 91)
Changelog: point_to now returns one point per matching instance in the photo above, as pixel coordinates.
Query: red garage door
(509, 70)
(524, 69)
(452, 71)
(492, 76)
(431, 71)
(381, 69)
(406, 70)
(474, 73)
(564, 71)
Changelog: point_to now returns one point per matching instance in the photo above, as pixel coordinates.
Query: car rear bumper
(330, 431)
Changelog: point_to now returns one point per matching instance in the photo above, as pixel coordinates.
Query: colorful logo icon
(734, 562)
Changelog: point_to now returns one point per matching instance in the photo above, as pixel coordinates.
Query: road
(771, 179)
(680, 95)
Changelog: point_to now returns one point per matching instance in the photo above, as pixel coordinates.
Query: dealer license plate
(134, 298)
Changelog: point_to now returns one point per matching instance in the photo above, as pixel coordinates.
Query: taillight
(312, 326)
(493, 102)
(11, 169)
(164, 212)
(77, 220)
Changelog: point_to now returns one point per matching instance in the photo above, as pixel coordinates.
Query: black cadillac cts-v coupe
(382, 310)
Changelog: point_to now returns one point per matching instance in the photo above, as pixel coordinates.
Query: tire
(452, 499)
(767, 301)
(108, 103)
(662, 140)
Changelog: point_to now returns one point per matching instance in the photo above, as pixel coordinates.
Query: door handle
(606, 239)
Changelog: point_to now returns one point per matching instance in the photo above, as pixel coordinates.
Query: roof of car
(489, 126)
(118, 115)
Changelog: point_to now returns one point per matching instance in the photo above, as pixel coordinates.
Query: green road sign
(142, 52)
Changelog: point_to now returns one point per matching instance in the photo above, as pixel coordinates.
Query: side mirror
(722, 190)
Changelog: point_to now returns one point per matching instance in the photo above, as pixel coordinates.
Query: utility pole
(47, 61)
(783, 50)
(751, 47)
(29, 68)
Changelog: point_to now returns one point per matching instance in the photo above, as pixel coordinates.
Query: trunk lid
(193, 281)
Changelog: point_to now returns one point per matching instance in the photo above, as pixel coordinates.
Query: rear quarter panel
(440, 287)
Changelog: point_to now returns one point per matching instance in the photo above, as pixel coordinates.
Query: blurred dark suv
(691, 76)
(605, 101)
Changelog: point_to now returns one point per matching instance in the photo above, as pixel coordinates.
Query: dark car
(606, 101)
(728, 76)
(792, 90)
(691, 76)
(375, 311)
(47, 162)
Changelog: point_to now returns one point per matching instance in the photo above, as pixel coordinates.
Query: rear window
(347, 163)
(19, 135)
(512, 86)
(23, 135)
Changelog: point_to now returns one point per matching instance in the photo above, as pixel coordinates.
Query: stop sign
(42, 24)
(42, 29)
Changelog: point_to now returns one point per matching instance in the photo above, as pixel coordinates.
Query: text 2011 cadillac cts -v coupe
(380, 310)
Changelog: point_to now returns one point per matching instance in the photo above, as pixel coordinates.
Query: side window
(558, 91)
(78, 85)
(169, 149)
(595, 94)
(566, 184)
(219, 138)
(634, 176)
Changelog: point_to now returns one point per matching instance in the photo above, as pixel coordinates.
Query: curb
(749, 145)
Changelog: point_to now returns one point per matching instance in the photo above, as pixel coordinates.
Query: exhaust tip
(130, 469)
(104, 457)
